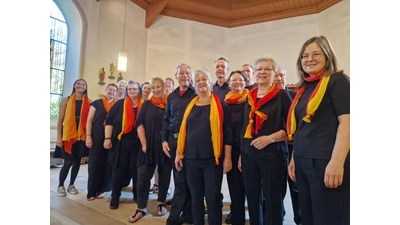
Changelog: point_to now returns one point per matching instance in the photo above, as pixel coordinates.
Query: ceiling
(231, 13)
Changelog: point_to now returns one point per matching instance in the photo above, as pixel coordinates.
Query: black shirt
(221, 91)
(174, 110)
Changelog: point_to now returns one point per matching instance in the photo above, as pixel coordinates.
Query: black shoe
(183, 220)
(228, 219)
(114, 204)
(168, 202)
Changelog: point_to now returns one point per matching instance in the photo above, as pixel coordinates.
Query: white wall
(157, 51)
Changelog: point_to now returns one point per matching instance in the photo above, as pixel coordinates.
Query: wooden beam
(153, 11)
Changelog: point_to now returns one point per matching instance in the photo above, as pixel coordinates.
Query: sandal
(100, 196)
(137, 216)
(154, 189)
(162, 209)
(91, 198)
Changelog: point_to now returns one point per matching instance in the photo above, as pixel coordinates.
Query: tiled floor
(75, 209)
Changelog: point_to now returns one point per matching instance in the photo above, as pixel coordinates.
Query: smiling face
(133, 90)
(280, 78)
(111, 92)
(221, 70)
(202, 83)
(80, 86)
(237, 83)
(121, 87)
(168, 86)
(264, 72)
(183, 76)
(157, 88)
(146, 90)
(309, 62)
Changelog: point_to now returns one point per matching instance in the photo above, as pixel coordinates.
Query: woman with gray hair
(204, 148)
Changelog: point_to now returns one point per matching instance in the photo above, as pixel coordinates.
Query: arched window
(58, 48)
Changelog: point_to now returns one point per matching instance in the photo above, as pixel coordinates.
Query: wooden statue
(102, 75)
(112, 68)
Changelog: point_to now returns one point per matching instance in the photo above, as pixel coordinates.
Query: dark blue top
(174, 110)
(221, 91)
(317, 139)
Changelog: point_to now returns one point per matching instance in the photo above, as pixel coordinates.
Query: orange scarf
(312, 105)
(128, 115)
(70, 133)
(238, 98)
(107, 106)
(216, 126)
(159, 102)
(261, 117)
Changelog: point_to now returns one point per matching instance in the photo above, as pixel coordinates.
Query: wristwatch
(271, 139)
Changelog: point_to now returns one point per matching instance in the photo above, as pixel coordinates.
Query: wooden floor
(75, 209)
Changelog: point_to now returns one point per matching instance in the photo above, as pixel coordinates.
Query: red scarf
(128, 115)
(238, 98)
(261, 117)
(159, 102)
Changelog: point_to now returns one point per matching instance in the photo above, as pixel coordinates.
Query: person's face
(221, 69)
(111, 92)
(309, 63)
(248, 71)
(237, 83)
(264, 72)
(80, 86)
(157, 89)
(121, 87)
(183, 76)
(202, 83)
(146, 90)
(133, 90)
(280, 78)
(168, 86)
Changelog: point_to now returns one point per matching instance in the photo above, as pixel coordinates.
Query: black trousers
(182, 199)
(265, 177)
(99, 171)
(126, 164)
(319, 204)
(145, 173)
(204, 179)
(236, 191)
(294, 195)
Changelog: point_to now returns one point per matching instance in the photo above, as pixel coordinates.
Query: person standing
(206, 126)
(71, 134)
(99, 168)
(264, 148)
(236, 100)
(221, 86)
(249, 71)
(121, 138)
(121, 89)
(148, 125)
(181, 211)
(280, 79)
(319, 125)
(146, 90)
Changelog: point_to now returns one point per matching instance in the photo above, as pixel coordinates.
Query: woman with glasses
(319, 125)
(264, 148)
(121, 138)
(236, 99)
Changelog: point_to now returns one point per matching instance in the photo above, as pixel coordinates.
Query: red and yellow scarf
(261, 117)
(216, 123)
(238, 98)
(312, 105)
(107, 106)
(70, 133)
(159, 102)
(128, 115)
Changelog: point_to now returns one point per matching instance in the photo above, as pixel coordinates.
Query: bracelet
(107, 138)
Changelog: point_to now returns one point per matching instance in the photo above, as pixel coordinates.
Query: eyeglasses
(315, 56)
(264, 69)
(133, 89)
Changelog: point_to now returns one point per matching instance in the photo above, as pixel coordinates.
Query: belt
(175, 135)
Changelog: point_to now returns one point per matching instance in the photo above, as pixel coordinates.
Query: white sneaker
(72, 190)
(61, 191)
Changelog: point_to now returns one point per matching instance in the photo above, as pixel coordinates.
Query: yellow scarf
(312, 105)
(238, 98)
(128, 115)
(216, 123)
(70, 133)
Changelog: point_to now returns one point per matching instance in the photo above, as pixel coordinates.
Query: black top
(237, 116)
(221, 91)
(292, 93)
(78, 106)
(317, 139)
(115, 119)
(150, 116)
(251, 86)
(276, 110)
(198, 132)
(174, 110)
(97, 131)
